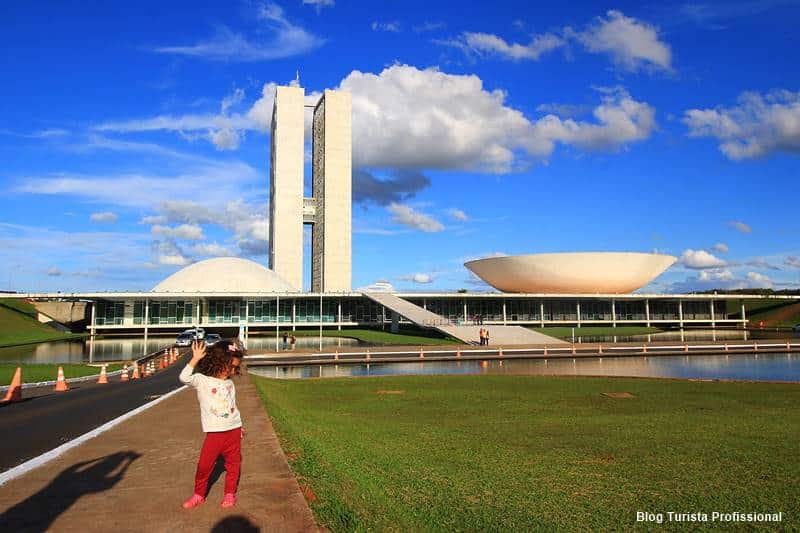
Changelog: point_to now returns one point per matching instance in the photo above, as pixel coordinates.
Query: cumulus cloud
(457, 214)
(489, 44)
(285, 40)
(758, 126)
(400, 186)
(760, 280)
(189, 232)
(404, 117)
(105, 216)
(393, 27)
(211, 249)
(722, 274)
(792, 261)
(631, 43)
(53, 272)
(720, 247)
(225, 139)
(700, 259)
(740, 226)
(406, 216)
(174, 259)
(760, 262)
(418, 277)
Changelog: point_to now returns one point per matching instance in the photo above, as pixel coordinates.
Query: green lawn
(18, 325)
(33, 373)
(374, 336)
(522, 453)
(566, 332)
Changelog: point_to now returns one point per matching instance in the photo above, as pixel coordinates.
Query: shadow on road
(38, 512)
(235, 524)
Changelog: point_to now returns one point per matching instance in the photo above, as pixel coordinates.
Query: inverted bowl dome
(224, 274)
(571, 273)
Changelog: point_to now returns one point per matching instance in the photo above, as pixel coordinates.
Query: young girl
(210, 374)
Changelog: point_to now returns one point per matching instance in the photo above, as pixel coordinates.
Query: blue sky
(135, 136)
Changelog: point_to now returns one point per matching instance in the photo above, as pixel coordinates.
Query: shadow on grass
(40, 510)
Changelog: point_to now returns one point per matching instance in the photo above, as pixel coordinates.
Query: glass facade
(487, 308)
(596, 310)
(361, 310)
(563, 311)
(663, 310)
(523, 310)
(109, 313)
(171, 312)
(626, 310)
(449, 308)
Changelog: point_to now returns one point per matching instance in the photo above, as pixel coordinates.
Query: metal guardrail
(499, 352)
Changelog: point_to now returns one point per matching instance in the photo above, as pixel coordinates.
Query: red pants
(229, 444)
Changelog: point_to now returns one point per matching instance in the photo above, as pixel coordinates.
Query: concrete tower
(328, 210)
(286, 186)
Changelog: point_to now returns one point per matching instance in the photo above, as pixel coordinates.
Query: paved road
(46, 419)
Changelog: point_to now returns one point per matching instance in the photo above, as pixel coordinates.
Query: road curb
(46, 457)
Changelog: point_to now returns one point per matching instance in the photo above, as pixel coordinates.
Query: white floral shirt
(217, 399)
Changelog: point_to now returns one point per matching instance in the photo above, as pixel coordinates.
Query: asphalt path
(46, 419)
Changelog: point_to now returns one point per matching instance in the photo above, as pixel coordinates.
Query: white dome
(225, 274)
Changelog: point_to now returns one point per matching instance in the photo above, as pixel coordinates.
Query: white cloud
(189, 232)
(487, 43)
(429, 26)
(285, 40)
(418, 277)
(174, 259)
(226, 179)
(410, 118)
(723, 274)
(457, 214)
(211, 249)
(225, 139)
(393, 27)
(319, 4)
(759, 279)
(105, 216)
(792, 261)
(758, 126)
(53, 272)
(740, 226)
(720, 247)
(631, 43)
(406, 216)
(378, 286)
(700, 259)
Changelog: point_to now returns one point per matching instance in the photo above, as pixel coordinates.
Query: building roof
(224, 275)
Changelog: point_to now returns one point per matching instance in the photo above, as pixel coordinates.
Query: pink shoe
(229, 500)
(194, 501)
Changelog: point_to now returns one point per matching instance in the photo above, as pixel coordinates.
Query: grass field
(18, 325)
(48, 372)
(522, 453)
(566, 332)
(374, 336)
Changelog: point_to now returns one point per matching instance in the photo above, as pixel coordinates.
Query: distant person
(480, 335)
(486, 337)
(292, 341)
(210, 375)
(285, 340)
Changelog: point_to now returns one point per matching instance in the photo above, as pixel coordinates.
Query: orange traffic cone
(124, 375)
(103, 377)
(135, 372)
(421, 353)
(14, 393)
(61, 383)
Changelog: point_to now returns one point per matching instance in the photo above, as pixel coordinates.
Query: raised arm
(198, 352)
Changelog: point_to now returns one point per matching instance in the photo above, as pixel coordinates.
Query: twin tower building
(328, 209)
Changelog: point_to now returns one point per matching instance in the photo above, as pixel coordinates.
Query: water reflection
(692, 335)
(780, 367)
(123, 349)
(309, 343)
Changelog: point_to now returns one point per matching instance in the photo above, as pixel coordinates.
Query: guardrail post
(644, 348)
(544, 352)
(500, 352)
(421, 353)
(574, 351)
(336, 355)
(368, 356)
(600, 348)
(685, 347)
(458, 353)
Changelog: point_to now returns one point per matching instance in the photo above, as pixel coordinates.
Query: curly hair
(218, 358)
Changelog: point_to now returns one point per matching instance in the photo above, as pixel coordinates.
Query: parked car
(196, 333)
(184, 339)
(796, 328)
(212, 338)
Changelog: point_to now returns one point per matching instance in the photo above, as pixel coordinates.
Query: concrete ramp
(498, 335)
(414, 313)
